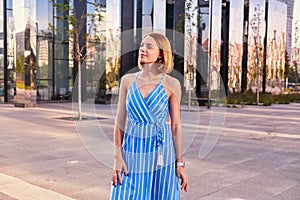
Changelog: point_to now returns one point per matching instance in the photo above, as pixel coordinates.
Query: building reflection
(25, 58)
(276, 47)
(37, 64)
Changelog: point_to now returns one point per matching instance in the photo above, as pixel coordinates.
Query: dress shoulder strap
(137, 75)
(162, 77)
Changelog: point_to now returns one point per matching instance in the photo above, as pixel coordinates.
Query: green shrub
(266, 99)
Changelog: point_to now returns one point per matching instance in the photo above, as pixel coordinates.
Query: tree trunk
(78, 59)
(79, 91)
(257, 69)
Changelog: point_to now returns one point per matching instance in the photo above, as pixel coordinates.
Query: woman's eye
(147, 46)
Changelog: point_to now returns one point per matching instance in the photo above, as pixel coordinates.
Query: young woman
(148, 162)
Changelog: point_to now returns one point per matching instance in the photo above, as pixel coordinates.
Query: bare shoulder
(172, 83)
(127, 80)
(173, 87)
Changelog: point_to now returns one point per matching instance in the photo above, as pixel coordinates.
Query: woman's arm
(176, 130)
(119, 127)
(120, 117)
(174, 101)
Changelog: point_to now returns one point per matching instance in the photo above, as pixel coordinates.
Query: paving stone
(52, 155)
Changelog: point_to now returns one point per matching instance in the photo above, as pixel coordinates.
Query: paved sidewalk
(232, 153)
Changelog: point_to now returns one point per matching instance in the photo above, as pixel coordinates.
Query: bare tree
(189, 19)
(255, 24)
(77, 20)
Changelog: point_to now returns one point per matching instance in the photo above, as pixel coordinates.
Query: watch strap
(180, 164)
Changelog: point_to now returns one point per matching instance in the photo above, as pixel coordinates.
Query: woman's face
(149, 51)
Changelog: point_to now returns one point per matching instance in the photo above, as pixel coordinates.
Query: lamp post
(255, 25)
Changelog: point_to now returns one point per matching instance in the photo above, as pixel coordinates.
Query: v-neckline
(140, 93)
(146, 97)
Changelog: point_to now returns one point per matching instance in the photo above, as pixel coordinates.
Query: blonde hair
(165, 51)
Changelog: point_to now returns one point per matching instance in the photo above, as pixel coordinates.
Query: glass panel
(215, 46)
(44, 89)
(170, 14)
(25, 53)
(62, 90)
(11, 69)
(113, 43)
(44, 14)
(103, 51)
(60, 59)
(255, 44)
(44, 50)
(1, 90)
(203, 43)
(61, 51)
(43, 69)
(276, 41)
(235, 45)
(147, 19)
(97, 51)
(190, 45)
(44, 72)
(159, 16)
(61, 35)
(1, 55)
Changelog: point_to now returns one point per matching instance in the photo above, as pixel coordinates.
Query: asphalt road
(231, 153)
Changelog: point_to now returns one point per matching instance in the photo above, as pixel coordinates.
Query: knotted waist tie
(159, 130)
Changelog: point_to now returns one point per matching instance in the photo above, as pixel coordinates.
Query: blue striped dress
(148, 148)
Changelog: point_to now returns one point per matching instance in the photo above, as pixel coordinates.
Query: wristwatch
(180, 164)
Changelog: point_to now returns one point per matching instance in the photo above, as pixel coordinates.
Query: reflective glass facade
(25, 53)
(235, 45)
(45, 60)
(103, 50)
(255, 44)
(1, 55)
(261, 63)
(7, 30)
(40, 64)
(276, 47)
(215, 37)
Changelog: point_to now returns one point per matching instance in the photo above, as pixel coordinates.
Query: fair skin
(148, 79)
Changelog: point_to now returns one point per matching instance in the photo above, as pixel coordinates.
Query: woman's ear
(158, 60)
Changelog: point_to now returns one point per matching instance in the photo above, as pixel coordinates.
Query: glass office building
(7, 52)
(258, 43)
(39, 54)
(37, 63)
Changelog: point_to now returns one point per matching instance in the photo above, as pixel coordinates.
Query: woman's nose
(142, 48)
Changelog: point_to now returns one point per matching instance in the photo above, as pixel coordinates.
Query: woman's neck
(150, 72)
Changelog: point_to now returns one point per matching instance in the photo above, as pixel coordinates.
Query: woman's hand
(181, 173)
(119, 166)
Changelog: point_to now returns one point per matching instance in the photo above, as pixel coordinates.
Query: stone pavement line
(268, 116)
(252, 132)
(232, 130)
(19, 189)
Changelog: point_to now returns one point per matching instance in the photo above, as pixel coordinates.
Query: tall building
(265, 38)
(217, 52)
(289, 24)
